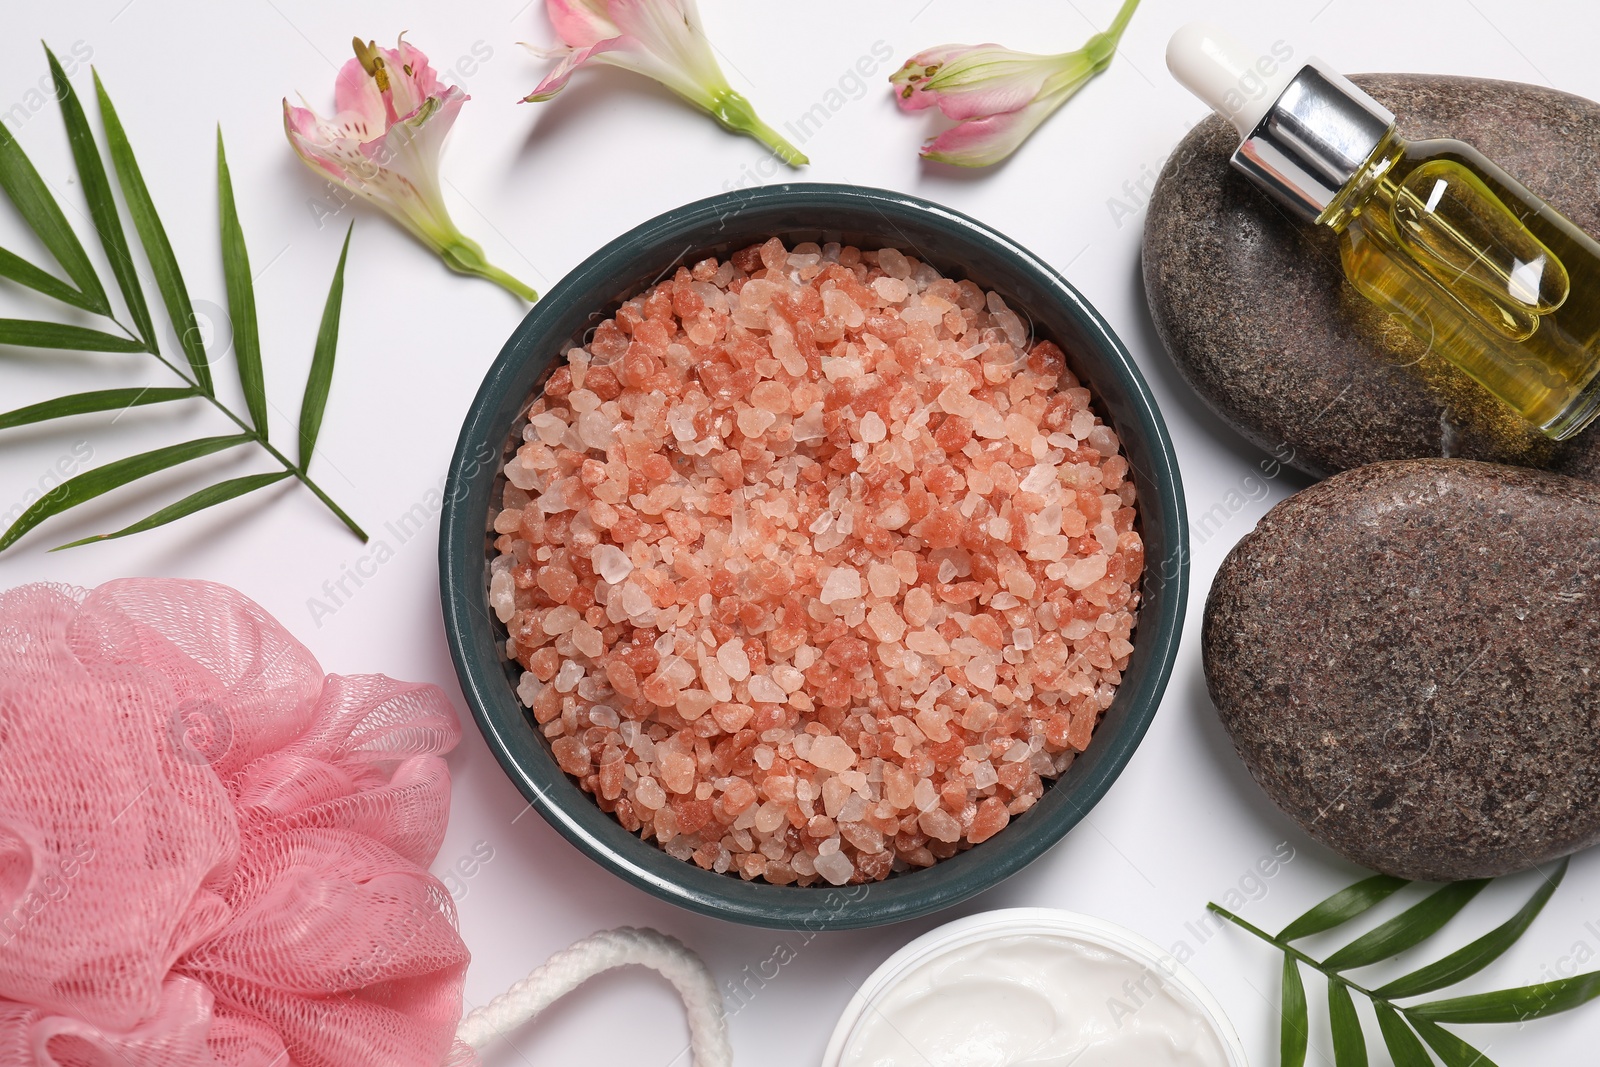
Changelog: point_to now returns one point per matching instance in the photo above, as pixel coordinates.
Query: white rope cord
(609, 949)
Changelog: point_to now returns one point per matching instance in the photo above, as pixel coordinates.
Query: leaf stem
(255, 435)
(1290, 950)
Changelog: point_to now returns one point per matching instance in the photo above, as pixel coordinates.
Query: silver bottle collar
(1313, 140)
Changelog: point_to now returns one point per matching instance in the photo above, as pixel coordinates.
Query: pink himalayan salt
(729, 442)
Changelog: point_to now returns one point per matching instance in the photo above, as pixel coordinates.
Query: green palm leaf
(40, 211)
(113, 475)
(320, 379)
(1295, 1030)
(1512, 1005)
(205, 498)
(102, 206)
(1450, 1049)
(1410, 927)
(85, 403)
(241, 299)
(26, 333)
(1349, 1044)
(22, 272)
(153, 236)
(1343, 906)
(1469, 960)
(1404, 1048)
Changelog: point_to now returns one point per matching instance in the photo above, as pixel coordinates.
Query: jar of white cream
(1033, 987)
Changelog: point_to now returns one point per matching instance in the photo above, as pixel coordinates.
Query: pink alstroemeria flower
(384, 145)
(996, 95)
(661, 39)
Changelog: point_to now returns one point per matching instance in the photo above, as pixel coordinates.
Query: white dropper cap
(1240, 83)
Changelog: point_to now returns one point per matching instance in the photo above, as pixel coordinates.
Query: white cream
(1033, 1000)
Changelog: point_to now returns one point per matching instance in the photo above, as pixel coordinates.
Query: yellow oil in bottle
(1487, 274)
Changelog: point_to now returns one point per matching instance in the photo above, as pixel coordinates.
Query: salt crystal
(986, 422)
(753, 422)
(894, 263)
(981, 673)
(788, 678)
(886, 623)
(1040, 478)
(596, 430)
(957, 401)
(918, 606)
(927, 642)
(872, 428)
(649, 794)
(809, 426)
(765, 690)
(983, 775)
(932, 723)
(550, 427)
(680, 420)
(502, 595)
(843, 583)
(529, 688)
(836, 868)
(894, 516)
(716, 679)
(587, 639)
(840, 306)
(891, 290)
(1085, 572)
(939, 825)
(567, 678)
(883, 580)
(732, 659)
(560, 619)
(677, 772)
(1022, 639)
(693, 703)
(770, 396)
(831, 753)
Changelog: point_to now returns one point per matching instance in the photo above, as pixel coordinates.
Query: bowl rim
(1010, 922)
(462, 559)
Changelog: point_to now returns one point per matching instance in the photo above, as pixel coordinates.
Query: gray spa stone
(1255, 311)
(1407, 657)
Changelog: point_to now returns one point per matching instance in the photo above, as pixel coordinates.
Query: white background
(542, 186)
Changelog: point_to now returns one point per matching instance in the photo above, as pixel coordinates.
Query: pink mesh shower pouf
(210, 852)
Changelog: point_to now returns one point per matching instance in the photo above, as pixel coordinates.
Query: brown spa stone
(1257, 315)
(1407, 657)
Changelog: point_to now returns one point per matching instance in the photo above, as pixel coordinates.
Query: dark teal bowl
(958, 246)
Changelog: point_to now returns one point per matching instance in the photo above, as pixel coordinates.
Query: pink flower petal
(574, 58)
(910, 81)
(355, 91)
(411, 79)
(581, 23)
(981, 141)
(303, 129)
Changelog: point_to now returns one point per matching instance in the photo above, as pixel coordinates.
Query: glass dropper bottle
(1475, 265)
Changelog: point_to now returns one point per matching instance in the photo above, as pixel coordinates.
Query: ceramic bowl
(958, 246)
